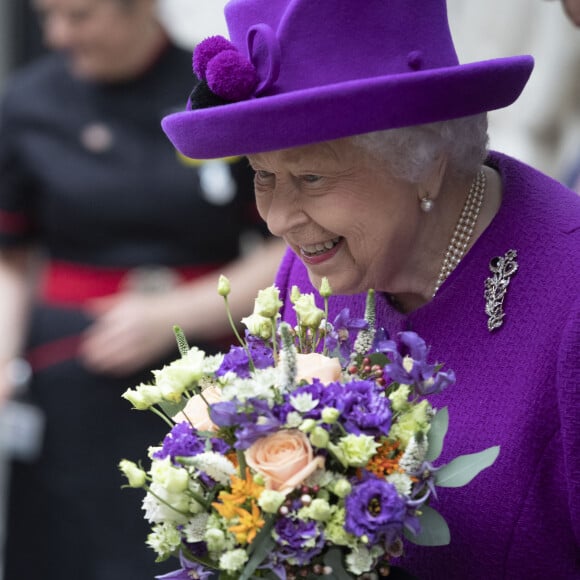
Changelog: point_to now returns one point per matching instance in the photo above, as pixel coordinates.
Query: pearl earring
(426, 204)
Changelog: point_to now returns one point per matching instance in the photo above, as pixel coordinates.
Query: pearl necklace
(463, 230)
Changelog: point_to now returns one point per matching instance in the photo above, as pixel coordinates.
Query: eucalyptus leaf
(437, 433)
(464, 468)
(171, 409)
(434, 529)
(333, 558)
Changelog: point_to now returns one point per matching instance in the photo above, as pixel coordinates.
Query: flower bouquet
(302, 453)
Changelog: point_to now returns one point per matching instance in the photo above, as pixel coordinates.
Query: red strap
(67, 283)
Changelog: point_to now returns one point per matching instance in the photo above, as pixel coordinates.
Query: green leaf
(437, 434)
(263, 544)
(434, 529)
(171, 409)
(464, 468)
(378, 358)
(333, 558)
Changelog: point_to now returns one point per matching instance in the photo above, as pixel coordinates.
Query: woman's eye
(263, 176)
(311, 178)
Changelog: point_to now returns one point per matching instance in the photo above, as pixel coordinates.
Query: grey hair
(410, 152)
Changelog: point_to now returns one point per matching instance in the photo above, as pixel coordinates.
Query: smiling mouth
(318, 249)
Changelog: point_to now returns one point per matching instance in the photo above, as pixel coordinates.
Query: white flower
(173, 508)
(233, 560)
(217, 536)
(212, 363)
(414, 455)
(194, 530)
(215, 465)
(293, 420)
(262, 384)
(402, 482)
(303, 402)
(164, 539)
(361, 559)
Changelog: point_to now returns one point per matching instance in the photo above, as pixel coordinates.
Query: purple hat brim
(345, 109)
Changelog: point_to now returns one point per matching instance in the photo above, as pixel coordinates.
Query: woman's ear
(431, 184)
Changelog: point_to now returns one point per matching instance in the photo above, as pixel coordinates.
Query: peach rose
(285, 459)
(196, 410)
(317, 366)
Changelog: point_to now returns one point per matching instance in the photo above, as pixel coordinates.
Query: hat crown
(299, 44)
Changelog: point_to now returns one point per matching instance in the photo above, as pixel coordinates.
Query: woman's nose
(284, 213)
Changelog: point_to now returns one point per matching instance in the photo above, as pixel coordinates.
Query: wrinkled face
(346, 217)
(100, 37)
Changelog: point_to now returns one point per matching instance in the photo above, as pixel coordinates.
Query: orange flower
(386, 460)
(241, 491)
(249, 524)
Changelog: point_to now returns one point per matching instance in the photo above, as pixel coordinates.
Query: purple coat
(517, 387)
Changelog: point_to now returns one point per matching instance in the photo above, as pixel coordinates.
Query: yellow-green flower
(309, 315)
(258, 325)
(295, 294)
(268, 302)
(325, 289)
(224, 287)
(334, 530)
(416, 419)
(173, 479)
(134, 474)
(143, 396)
(271, 500)
(174, 378)
(354, 450)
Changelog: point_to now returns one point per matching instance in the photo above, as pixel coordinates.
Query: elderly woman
(368, 142)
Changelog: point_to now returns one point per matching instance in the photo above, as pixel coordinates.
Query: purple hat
(304, 71)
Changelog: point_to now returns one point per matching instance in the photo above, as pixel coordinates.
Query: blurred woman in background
(108, 238)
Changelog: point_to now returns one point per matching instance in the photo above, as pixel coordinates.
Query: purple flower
(224, 413)
(262, 355)
(326, 395)
(365, 409)
(189, 571)
(181, 441)
(294, 537)
(252, 420)
(375, 509)
(219, 445)
(236, 361)
(345, 330)
(425, 377)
